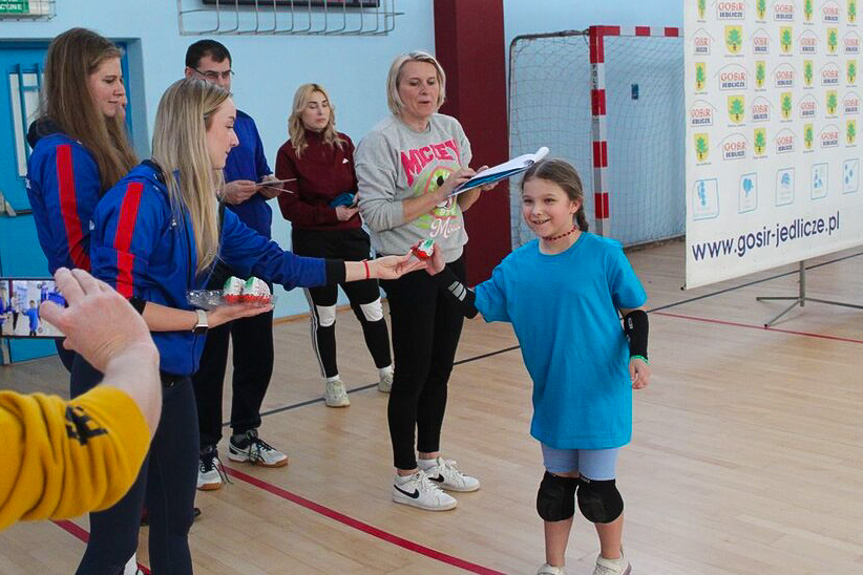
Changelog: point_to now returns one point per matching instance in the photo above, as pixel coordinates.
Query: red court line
(760, 327)
(82, 534)
(361, 526)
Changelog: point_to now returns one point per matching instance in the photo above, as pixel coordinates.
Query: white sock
(402, 479)
(426, 464)
(333, 378)
(388, 370)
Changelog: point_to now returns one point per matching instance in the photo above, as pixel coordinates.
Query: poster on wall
(773, 150)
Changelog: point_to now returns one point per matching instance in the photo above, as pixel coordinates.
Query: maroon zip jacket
(323, 172)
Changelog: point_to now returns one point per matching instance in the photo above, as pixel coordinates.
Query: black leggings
(350, 245)
(167, 479)
(426, 328)
(253, 368)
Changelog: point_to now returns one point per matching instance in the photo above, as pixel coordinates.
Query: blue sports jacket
(63, 187)
(248, 162)
(145, 250)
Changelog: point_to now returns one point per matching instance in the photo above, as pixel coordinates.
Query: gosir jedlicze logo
(852, 12)
(702, 146)
(760, 109)
(808, 137)
(830, 12)
(832, 40)
(733, 77)
(730, 10)
(701, 42)
(760, 42)
(784, 141)
(851, 104)
(786, 40)
(783, 76)
(700, 76)
(830, 75)
(783, 11)
(759, 142)
(829, 137)
(733, 39)
(851, 72)
(760, 73)
(851, 132)
(808, 73)
(734, 147)
(808, 10)
(786, 105)
(701, 114)
(808, 42)
(851, 44)
(831, 102)
(700, 8)
(808, 107)
(760, 10)
(736, 108)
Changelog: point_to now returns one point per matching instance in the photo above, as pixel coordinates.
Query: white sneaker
(385, 385)
(447, 476)
(547, 569)
(419, 492)
(612, 566)
(131, 567)
(254, 450)
(209, 470)
(335, 394)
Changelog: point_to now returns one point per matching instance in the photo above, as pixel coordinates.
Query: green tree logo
(808, 10)
(832, 40)
(852, 11)
(832, 102)
(785, 39)
(808, 72)
(787, 106)
(808, 136)
(760, 73)
(702, 6)
(760, 140)
(761, 8)
(852, 71)
(733, 38)
(700, 75)
(851, 131)
(702, 146)
(736, 108)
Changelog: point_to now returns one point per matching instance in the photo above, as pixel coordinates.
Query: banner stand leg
(800, 299)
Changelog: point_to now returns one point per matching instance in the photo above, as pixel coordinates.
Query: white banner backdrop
(773, 155)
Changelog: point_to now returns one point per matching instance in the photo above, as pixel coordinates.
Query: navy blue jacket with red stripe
(63, 187)
(143, 249)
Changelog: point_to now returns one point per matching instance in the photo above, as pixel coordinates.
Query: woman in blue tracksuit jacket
(155, 236)
(80, 146)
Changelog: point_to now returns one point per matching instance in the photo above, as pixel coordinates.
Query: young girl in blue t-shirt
(562, 293)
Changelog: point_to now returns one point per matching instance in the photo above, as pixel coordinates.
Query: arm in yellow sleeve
(64, 458)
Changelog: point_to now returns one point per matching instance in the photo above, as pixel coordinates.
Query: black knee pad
(555, 500)
(599, 501)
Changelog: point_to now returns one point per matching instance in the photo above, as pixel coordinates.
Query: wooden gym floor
(747, 454)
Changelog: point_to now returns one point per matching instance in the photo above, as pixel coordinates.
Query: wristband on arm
(636, 327)
(460, 292)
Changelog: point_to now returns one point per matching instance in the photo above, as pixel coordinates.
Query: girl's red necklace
(555, 238)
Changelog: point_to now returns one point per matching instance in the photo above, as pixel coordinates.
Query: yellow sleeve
(64, 458)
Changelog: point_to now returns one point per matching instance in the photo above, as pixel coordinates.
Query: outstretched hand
(394, 267)
(229, 312)
(436, 263)
(118, 330)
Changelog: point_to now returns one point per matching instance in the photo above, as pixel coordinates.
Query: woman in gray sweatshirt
(407, 167)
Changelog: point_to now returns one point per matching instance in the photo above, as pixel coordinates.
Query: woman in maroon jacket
(323, 214)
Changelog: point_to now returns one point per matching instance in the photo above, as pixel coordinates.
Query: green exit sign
(15, 7)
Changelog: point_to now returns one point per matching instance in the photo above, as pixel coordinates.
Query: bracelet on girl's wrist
(368, 272)
(641, 357)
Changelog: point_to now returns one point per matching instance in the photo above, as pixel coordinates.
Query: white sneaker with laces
(385, 385)
(446, 475)
(419, 492)
(612, 566)
(254, 450)
(335, 394)
(547, 569)
(209, 470)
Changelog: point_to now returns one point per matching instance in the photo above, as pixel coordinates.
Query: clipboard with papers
(503, 171)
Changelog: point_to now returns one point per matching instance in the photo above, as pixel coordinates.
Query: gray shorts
(597, 464)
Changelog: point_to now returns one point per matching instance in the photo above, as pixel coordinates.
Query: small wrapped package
(233, 290)
(256, 291)
(423, 250)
